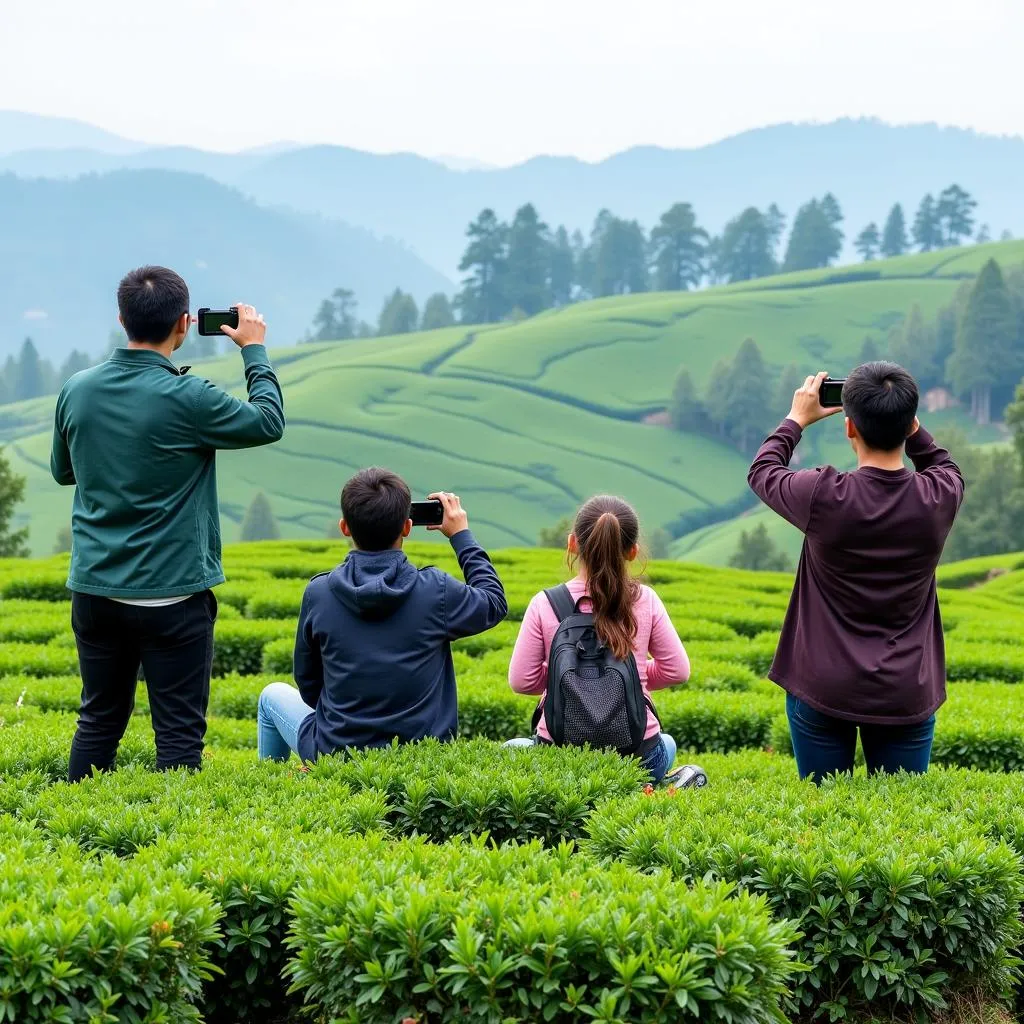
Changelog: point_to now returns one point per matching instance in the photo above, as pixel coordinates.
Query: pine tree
(927, 231)
(867, 243)
(75, 363)
(399, 314)
(985, 352)
(528, 263)
(31, 379)
(815, 240)
(13, 543)
(718, 397)
(658, 544)
(555, 536)
(259, 522)
(894, 235)
(685, 410)
(757, 551)
(482, 299)
(745, 249)
(750, 403)
(678, 245)
(437, 313)
(955, 215)
(562, 272)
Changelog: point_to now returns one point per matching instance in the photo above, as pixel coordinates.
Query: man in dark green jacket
(138, 439)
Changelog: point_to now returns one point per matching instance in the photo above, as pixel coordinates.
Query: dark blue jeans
(827, 746)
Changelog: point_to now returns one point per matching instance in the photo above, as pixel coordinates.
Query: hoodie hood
(372, 584)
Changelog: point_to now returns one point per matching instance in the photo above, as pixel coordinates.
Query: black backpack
(592, 697)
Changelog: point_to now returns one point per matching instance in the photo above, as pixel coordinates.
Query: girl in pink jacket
(627, 617)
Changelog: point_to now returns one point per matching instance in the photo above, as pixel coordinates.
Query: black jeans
(827, 746)
(173, 646)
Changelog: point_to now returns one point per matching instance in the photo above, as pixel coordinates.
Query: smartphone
(831, 395)
(427, 513)
(211, 320)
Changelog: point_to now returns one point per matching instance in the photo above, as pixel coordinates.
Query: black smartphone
(427, 513)
(831, 394)
(211, 320)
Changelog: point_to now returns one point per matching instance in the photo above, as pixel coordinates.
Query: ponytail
(606, 529)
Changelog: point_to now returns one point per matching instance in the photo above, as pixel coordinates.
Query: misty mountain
(866, 164)
(66, 244)
(20, 131)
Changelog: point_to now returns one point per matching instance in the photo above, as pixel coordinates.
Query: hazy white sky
(502, 80)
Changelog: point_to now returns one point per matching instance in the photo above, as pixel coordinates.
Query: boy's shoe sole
(687, 776)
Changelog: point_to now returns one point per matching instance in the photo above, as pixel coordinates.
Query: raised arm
(936, 465)
(479, 604)
(785, 491)
(225, 422)
(528, 669)
(669, 662)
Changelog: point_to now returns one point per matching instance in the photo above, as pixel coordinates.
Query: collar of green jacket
(146, 357)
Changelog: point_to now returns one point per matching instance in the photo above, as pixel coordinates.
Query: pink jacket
(660, 656)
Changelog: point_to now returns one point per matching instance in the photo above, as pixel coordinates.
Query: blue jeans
(827, 746)
(279, 713)
(661, 758)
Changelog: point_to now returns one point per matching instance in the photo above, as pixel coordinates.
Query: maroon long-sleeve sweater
(862, 639)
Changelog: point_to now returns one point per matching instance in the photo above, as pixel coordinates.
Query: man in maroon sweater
(862, 642)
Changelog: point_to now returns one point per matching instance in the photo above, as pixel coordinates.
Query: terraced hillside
(366, 889)
(526, 420)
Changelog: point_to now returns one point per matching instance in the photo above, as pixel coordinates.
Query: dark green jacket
(139, 439)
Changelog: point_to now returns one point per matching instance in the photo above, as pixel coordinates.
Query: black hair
(151, 300)
(881, 398)
(376, 504)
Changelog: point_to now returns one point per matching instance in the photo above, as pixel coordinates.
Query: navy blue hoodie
(373, 651)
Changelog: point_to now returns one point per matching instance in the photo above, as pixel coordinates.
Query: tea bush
(907, 891)
(515, 936)
(887, 924)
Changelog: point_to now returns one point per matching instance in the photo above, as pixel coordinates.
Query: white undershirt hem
(153, 602)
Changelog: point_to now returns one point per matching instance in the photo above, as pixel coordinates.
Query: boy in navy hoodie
(373, 659)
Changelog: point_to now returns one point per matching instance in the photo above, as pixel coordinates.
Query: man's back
(372, 652)
(862, 638)
(138, 440)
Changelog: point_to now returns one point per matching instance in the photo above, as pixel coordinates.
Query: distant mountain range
(65, 244)
(868, 165)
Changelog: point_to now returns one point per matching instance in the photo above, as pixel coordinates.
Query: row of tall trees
(29, 375)
(938, 224)
(740, 403)
(337, 317)
(974, 345)
(520, 268)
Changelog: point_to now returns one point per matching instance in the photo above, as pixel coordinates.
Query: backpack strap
(561, 601)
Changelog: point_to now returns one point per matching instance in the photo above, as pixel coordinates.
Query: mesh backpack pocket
(592, 697)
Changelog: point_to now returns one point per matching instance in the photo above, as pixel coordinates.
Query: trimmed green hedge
(519, 936)
(97, 940)
(902, 902)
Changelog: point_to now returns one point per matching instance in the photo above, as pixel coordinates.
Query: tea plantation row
(466, 881)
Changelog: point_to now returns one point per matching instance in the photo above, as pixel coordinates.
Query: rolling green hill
(526, 420)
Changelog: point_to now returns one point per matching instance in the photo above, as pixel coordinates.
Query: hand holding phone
(455, 518)
(808, 407)
(241, 323)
